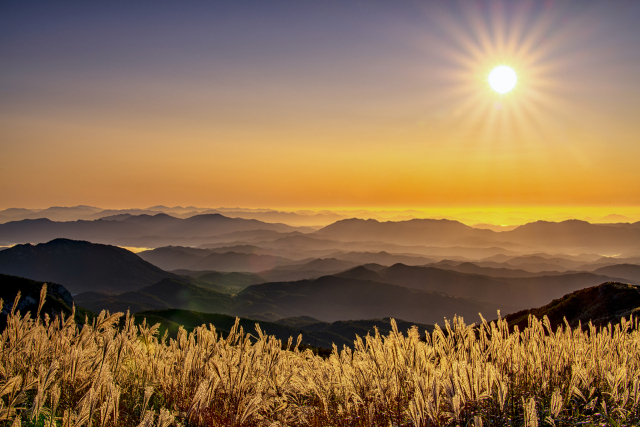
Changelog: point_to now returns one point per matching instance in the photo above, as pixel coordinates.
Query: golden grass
(54, 372)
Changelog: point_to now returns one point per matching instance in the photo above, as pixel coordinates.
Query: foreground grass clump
(52, 372)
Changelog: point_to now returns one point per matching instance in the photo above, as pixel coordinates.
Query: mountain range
(568, 235)
(327, 289)
(58, 301)
(417, 236)
(140, 230)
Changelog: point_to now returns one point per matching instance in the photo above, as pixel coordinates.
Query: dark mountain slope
(232, 261)
(184, 295)
(514, 292)
(332, 298)
(227, 282)
(603, 304)
(452, 283)
(81, 266)
(167, 293)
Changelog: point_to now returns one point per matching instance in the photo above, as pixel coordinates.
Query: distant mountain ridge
(412, 232)
(139, 230)
(565, 235)
(89, 213)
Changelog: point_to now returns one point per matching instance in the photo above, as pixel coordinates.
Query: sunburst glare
(502, 79)
(483, 47)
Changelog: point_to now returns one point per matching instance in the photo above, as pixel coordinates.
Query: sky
(320, 104)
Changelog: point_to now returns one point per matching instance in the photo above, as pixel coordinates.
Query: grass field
(52, 372)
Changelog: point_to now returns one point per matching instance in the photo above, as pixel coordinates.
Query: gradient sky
(310, 104)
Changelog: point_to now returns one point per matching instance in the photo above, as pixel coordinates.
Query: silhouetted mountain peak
(207, 217)
(361, 273)
(401, 267)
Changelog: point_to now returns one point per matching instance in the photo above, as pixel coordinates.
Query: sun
(502, 79)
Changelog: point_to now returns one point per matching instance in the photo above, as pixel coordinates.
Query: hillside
(81, 266)
(167, 293)
(602, 304)
(514, 292)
